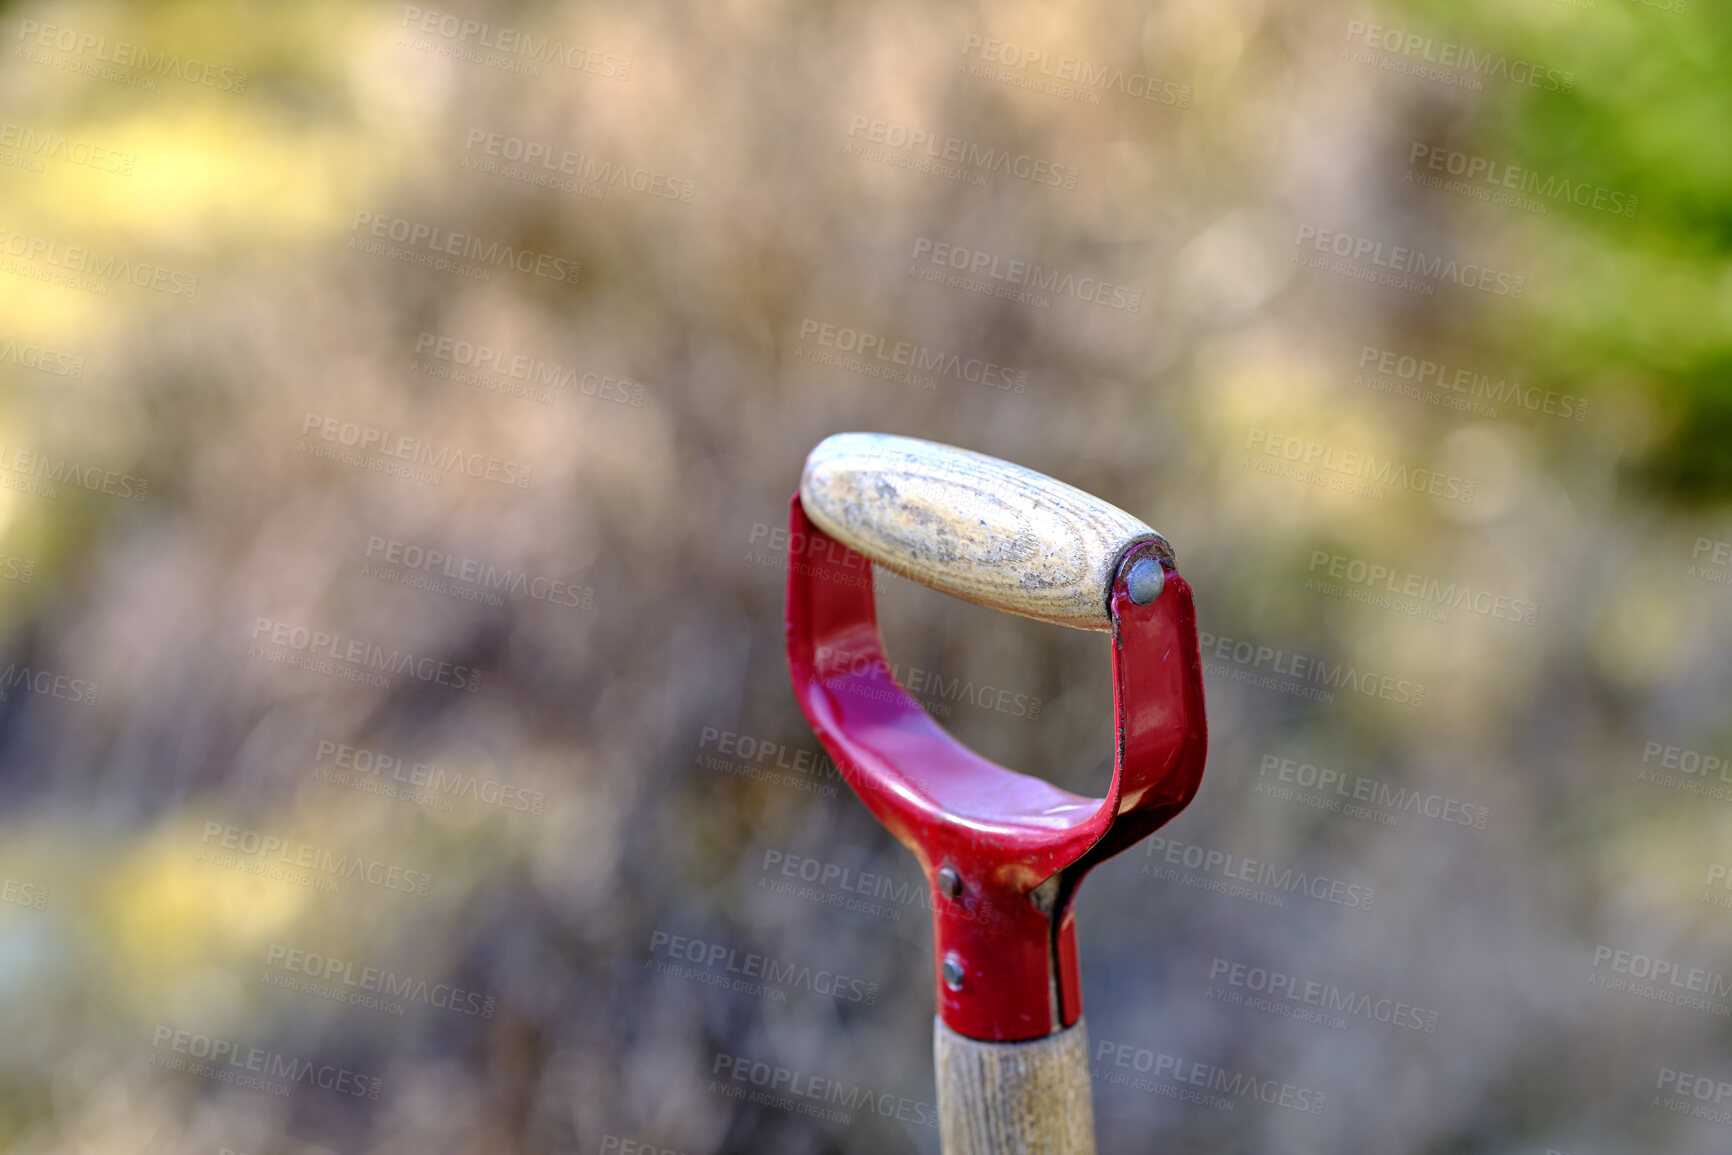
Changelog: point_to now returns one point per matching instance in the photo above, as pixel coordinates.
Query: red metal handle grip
(1017, 845)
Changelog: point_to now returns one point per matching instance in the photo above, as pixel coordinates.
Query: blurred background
(398, 411)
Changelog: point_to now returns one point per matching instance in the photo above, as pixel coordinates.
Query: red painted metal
(1006, 834)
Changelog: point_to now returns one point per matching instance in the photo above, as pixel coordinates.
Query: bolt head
(1146, 579)
(950, 882)
(953, 971)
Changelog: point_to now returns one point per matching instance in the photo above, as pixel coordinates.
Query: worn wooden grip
(972, 525)
(1014, 1098)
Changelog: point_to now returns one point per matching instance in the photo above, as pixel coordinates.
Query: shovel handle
(974, 526)
(1029, 1098)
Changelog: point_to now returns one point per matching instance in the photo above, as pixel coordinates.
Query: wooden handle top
(973, 526)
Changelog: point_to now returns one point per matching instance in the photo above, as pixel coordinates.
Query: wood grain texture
(971, 525)
(1028, 1098)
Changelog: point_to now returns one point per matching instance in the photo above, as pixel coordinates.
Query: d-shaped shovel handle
(1002, 852)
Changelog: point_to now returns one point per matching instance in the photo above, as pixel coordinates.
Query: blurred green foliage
(1644, 299)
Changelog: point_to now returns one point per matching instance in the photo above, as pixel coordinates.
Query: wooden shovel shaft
(1029, 1098)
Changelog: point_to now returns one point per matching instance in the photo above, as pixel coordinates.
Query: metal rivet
(953, 971)
(1146, 580)
(950, 882)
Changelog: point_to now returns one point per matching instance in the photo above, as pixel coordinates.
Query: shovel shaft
(1029, 1098)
